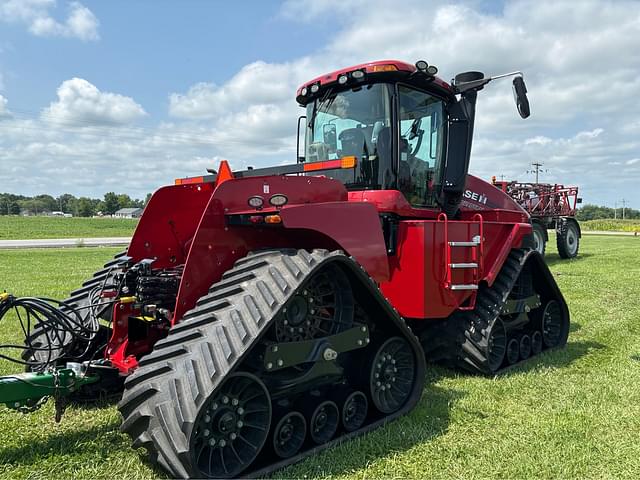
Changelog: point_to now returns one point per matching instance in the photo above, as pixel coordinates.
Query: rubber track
(162, 398)
(475, 324)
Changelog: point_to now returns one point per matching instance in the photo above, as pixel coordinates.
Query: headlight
(278, 200)
(256, 201)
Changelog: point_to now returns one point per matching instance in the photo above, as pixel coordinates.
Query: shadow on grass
(554, 259)
(100, 439)
(557, 357)
(427, 421)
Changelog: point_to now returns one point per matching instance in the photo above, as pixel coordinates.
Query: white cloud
(81, 102)
(80, 23)
(4, 111)
(580, 61)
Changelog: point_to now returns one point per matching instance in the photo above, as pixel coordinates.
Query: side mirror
(329, 136)
(520, 96)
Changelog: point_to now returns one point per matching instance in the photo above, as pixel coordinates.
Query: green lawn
(12, 227)
(570, 413)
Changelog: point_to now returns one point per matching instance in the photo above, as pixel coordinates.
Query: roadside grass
(569, 413)
(18, 228)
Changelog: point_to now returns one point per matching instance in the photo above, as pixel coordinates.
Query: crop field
(612, 225)
(17, 228)
(571, 413)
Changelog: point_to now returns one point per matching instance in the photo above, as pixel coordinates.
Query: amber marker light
(272, 219)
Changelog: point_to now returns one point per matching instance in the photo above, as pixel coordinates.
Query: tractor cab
(402, 128)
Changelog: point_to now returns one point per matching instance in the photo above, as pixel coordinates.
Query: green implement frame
(24, 390)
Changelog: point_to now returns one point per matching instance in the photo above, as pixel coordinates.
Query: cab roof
(391, 69)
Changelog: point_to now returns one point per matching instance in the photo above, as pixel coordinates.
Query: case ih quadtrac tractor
(258, 316)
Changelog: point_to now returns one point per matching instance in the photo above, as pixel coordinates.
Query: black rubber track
(473, 326)
(162, 398)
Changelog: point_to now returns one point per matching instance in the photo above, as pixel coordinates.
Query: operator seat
(354, 143)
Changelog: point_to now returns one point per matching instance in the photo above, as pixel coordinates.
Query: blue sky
(148, 48)
(126, 95)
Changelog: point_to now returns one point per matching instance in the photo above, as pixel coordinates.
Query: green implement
(25, 390)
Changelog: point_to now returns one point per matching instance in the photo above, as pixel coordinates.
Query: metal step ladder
(475, 246)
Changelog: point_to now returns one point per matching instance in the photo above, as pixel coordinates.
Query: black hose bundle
(52, 330)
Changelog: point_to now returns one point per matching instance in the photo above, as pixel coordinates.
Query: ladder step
(463, 265)
(464, 287)
(464, 244)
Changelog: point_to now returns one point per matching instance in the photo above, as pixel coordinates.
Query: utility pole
(615, 210)
(624, 204)
(502, 177)
(537, 169)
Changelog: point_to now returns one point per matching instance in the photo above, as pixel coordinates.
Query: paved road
(66, 242)
(597, 232)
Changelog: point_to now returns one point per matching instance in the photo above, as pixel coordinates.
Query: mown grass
(572, 413)
(611, 225)
(15, 228)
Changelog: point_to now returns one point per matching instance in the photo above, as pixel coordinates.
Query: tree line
(11, 204)
(597, 212)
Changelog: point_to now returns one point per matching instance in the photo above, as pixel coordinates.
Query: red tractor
(550, 206)
(258, 316)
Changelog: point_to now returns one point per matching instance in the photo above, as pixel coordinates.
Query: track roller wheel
(289, 434)
(392, 375)
(554, 326)
(525, 346)
(324, 422)
(354, 411)
(536, 342)
(231, 427)
(513, 351)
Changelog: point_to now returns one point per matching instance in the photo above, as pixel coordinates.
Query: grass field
(572, 413)
(16, 228)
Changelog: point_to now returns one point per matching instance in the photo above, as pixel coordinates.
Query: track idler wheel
(525, 346)
(496, 345)
(231, 427)
(289, 434)
(392, 375)
(554, 325)
(324, 422)
(354, 412)
(513, 351)
(536, 342)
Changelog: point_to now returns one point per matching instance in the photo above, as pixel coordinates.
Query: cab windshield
(356, 123)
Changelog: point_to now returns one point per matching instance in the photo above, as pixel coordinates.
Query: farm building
(128, 213)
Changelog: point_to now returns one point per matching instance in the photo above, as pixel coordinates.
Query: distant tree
(85, 207)
(14, 208)
(111, 203)
(47, 203)
(65, 203)
(146, 200)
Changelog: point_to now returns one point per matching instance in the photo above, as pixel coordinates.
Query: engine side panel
(418, 270)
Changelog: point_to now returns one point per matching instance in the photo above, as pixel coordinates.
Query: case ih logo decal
(476, 197)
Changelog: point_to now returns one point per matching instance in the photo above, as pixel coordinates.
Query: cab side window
(420, 145)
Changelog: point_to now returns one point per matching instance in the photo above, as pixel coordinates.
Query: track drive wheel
(536, 342)
(392, 375)
(231, 427)
(568, 238)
